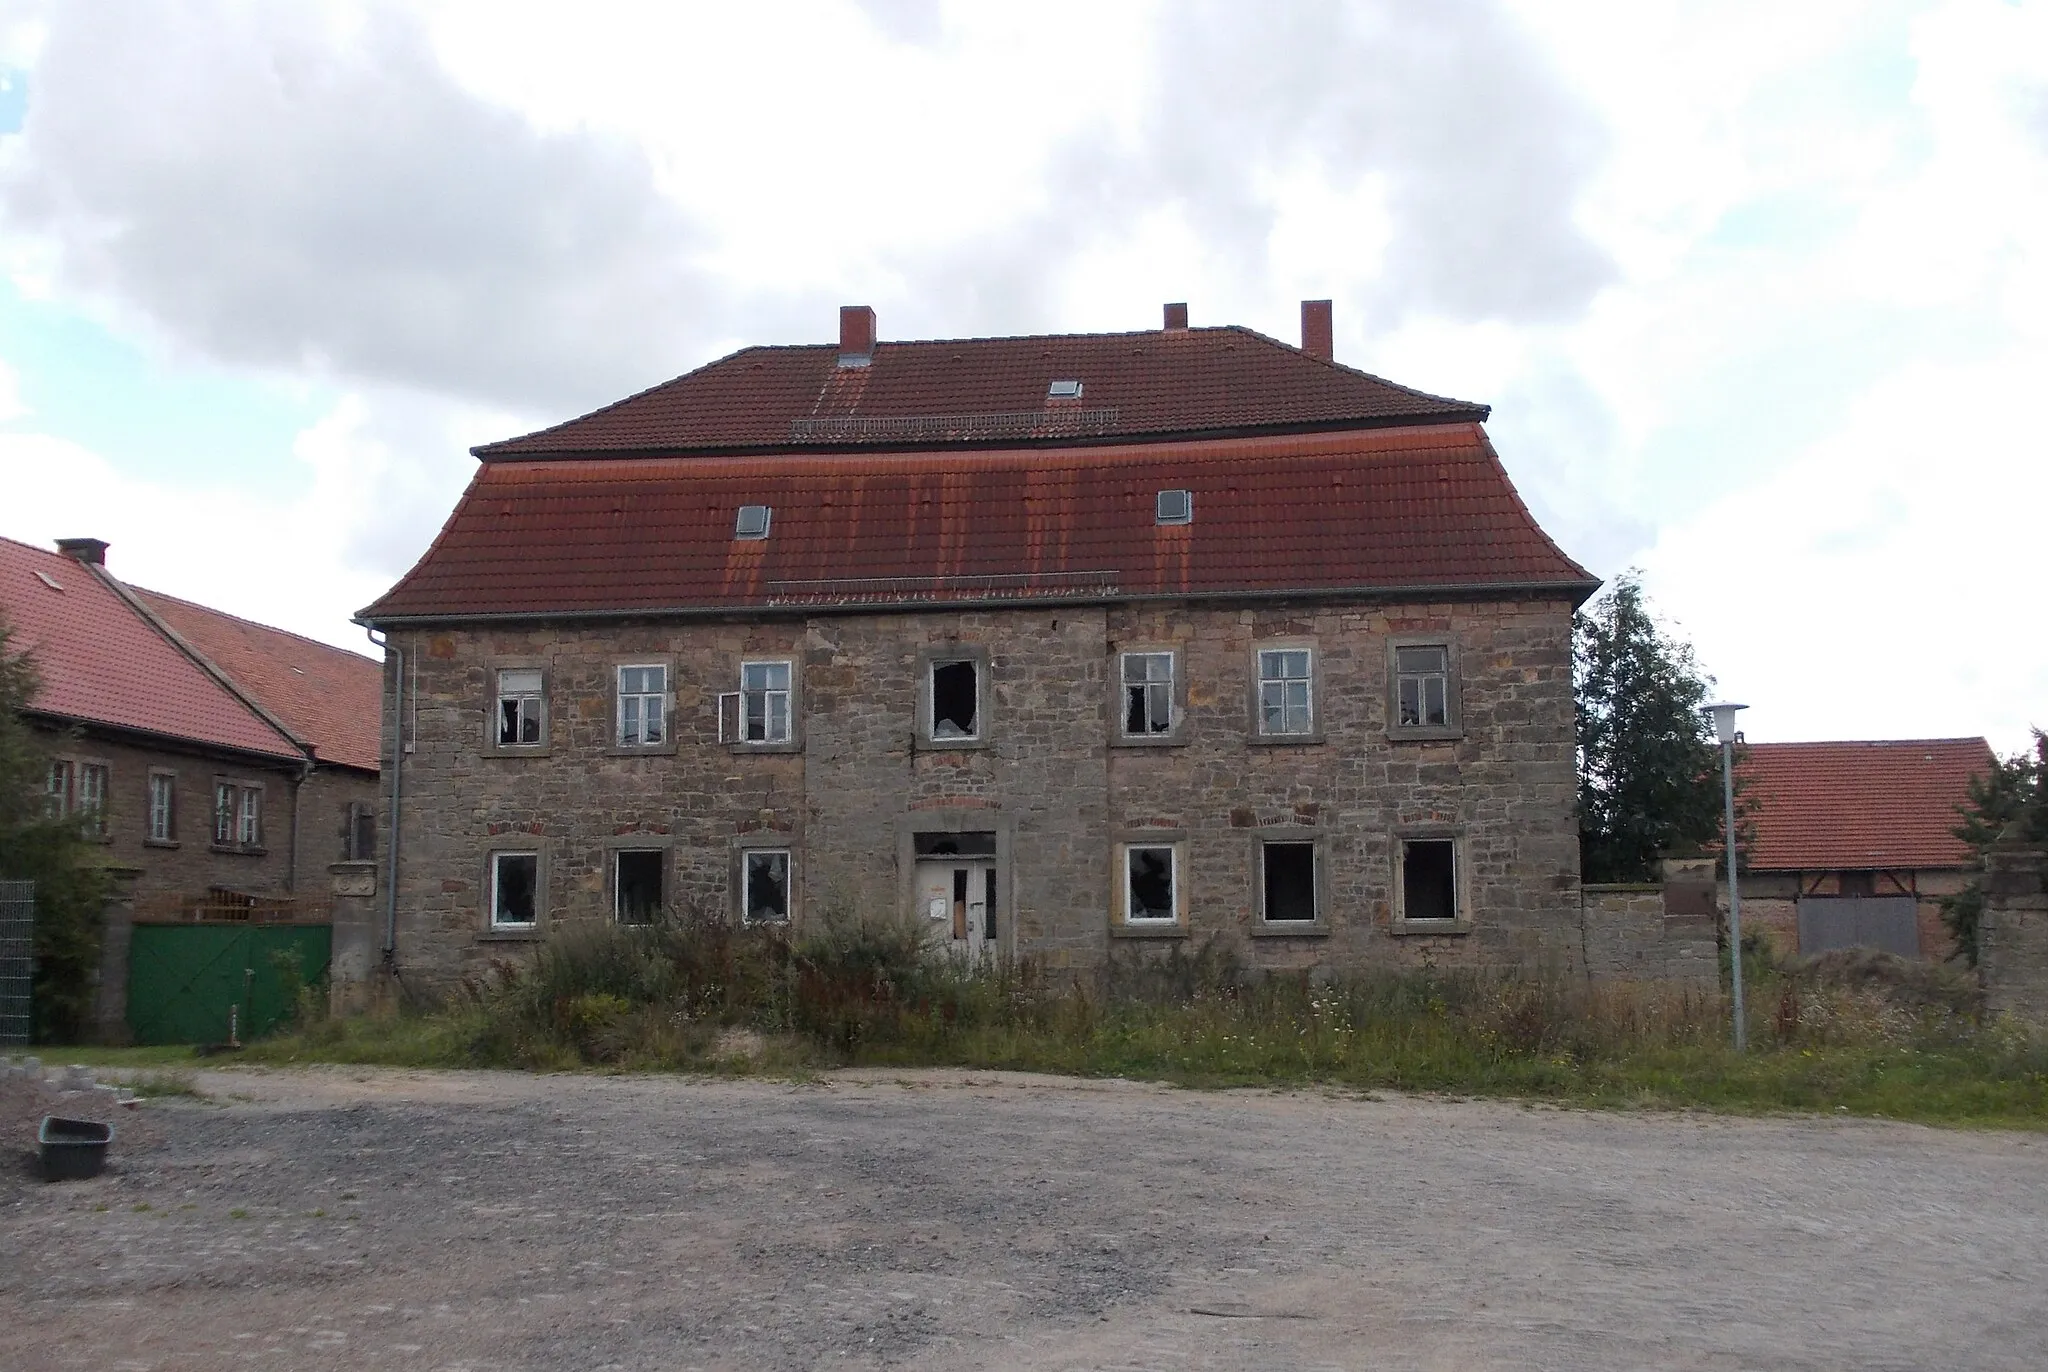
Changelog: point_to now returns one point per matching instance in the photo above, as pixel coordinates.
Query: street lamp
(1724, 729)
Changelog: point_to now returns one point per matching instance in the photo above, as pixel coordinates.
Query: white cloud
(11, 405)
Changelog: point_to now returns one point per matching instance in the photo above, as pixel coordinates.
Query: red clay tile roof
(988, 391)
(331, 699)
(1372, 509)
(1835, 806)
(101, 662)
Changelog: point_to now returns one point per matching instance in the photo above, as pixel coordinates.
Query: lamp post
(1724, 729)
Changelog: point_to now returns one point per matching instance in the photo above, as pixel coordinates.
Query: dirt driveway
(370, 1219)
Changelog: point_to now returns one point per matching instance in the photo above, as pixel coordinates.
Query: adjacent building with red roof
(1854, 842)
(218, 760)
(1056, 644)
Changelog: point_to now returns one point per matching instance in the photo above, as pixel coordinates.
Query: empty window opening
(643, 702)
(520, 712)
(988, 904)
(764, 702)
(1148, 693)
(1424, 685)
(1290, 880)
(359, 833)
(1149, 881)
(764, 897)
(1429, 887)
(955, 692)
(1175, 507)
(753, 521)
(636, 885)
(1285, 703)
(1852, 883)
(1063, 390)
(515, 889)
(955, 845)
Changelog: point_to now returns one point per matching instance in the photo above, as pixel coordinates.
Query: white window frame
(931, 699)
(57, 787)
(92, 798)
(531, 707)
(1151, 687)
(1173, 889)
(227, 803)
(1273, 674)
(1315, 881)
(498, 858)
(162, 823)
(747, 856)
(641, 701)
(1442, 677)
(249, 817)
(768, 696)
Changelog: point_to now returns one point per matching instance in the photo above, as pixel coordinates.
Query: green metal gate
(190, 982)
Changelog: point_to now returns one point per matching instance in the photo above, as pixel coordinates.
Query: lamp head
(1724, 719)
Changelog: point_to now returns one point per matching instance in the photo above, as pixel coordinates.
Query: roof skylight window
(1176, 507)
(753, 521)
(1063, 390)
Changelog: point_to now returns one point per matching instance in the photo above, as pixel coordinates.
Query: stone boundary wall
(2012, 939)
(1649, 933)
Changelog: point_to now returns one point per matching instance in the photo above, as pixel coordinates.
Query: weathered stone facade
(1051, 779)
(2012, 939)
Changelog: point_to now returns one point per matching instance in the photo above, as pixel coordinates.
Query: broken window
(1290, 881)
(92, 797)
(163, 814)
(1429, 885)
(1148, 693)
(764, 890)
(522, 713)
(636, 885)
(764, 702)
(955, 699)
(954, 845)
(1285, 703)
(643, 705)
(1149, 883)
(515, 890)
(1422, 685)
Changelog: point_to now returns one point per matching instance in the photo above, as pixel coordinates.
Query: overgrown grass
(1859, 1034)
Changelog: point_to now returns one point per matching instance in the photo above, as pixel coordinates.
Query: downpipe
(398, 750)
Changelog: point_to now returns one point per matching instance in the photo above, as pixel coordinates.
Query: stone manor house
(1052, 643)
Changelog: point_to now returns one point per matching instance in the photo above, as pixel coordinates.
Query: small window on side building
(57, 790)
(92, 797)
(359, 833)
(163, 807)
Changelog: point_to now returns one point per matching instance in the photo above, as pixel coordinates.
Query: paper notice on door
(936, 907)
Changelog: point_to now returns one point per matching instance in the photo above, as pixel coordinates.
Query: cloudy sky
(1758, 291)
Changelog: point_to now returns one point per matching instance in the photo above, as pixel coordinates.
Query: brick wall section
(1048, 776)
(2012, 953)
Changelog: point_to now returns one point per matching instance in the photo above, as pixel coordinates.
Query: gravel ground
(370, 1219)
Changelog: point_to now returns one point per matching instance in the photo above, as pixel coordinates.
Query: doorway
(954, 893)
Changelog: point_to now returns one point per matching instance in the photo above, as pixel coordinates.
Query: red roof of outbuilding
(103, 662)
(331, 699)
(1416, 508)
(990, 391)
(1889, 804)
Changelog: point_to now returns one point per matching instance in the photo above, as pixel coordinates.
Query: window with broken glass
(515, 890)
(1287, 877)
(1422, 681)
(764, 886)
(643, 705)
(1148, 694)
(1429, 880)
(636, 884)
(1286, 700)
(956, 701)
(1150, 883)
(764, 702)
(522, 708)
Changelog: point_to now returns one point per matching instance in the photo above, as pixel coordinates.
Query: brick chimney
(1177, 315)
(1318, 337)
(92, 551)
(856, 335)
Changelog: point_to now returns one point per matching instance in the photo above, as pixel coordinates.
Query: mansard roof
(992, 392)
(1417, 509)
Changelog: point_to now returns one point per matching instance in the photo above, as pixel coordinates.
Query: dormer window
(1063, 390)
(1176, 507)
(753, 521)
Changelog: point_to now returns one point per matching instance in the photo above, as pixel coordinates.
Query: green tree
(2012, 796)
(1649, 768)
(54, 853)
